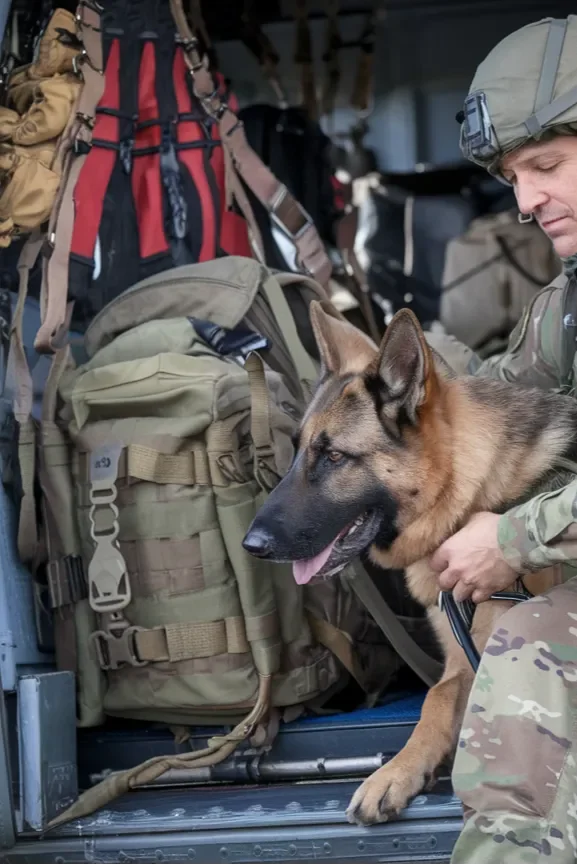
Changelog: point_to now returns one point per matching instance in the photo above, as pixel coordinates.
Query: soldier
(516, 764)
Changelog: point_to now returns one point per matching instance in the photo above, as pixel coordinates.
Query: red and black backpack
(151, 193)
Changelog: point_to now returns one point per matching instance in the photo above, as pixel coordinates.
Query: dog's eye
(335, 456)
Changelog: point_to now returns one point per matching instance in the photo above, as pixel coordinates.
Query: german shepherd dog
(395, 453)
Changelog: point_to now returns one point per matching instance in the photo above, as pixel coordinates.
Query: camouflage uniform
(516, 763)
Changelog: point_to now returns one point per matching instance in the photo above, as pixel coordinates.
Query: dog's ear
(405, 367)
(342, 347)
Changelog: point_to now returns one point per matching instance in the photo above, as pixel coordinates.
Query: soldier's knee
(543, 618)
(527, 620)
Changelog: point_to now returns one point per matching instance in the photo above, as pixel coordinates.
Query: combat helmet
(525, 89)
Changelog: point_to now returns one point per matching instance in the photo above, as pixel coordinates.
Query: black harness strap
(460, 615)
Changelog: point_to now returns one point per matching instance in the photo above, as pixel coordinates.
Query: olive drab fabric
(491, 273)
(155, 454)
(40, 104)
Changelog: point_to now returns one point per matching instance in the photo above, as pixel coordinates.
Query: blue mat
(398, 708)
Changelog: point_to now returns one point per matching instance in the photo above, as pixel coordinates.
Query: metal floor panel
(276, 823)
(426, 842)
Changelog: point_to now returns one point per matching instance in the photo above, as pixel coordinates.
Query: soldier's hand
(470, 563)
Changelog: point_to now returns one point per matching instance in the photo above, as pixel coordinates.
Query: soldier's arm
(533, 354)
(542, 531)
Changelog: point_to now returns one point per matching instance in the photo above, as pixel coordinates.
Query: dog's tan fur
(460, 459)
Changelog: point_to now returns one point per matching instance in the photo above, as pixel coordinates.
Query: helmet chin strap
(525, 218)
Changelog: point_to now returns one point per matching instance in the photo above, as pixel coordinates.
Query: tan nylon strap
(264, 460)
(221, 438)
(198, 22)
(88, 27)
(338, 643)
(283, 208)
(304, 365)
(27, 527)
(181, 641)
(218, 749)
(147, 464)
(20, 379)
(333, 43)
(17, 361)
(260, 407)
(60, 361)
(346, 235)
(363, 83)
(273, 195)
(54, 294)
(427, 668)
(303, 57)
(66, 581)
(237, 189)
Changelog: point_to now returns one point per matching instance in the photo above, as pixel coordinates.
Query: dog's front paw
(384, 794)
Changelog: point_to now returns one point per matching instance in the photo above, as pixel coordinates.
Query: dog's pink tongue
(305, 569)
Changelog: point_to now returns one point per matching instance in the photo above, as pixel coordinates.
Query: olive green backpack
(154, 455)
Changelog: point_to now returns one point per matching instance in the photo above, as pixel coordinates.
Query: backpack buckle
(78, 60)
(295, 220)
(265, 470)
(115, 650)
(108, 581)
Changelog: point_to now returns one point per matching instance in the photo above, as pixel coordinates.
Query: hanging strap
(199, 26)
(258, 43)
(331, 58)
(339, 644)
(304, 365)
(20, 382)
(363, 84)
(303, 57)
(346, 236)
(427, 668)
(283, 209)
(264, 461)
(217, 750)
(73, 149)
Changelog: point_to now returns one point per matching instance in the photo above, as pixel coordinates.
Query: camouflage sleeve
(532, 356)
(542, 531)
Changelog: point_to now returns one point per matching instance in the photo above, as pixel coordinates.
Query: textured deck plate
(276, 823)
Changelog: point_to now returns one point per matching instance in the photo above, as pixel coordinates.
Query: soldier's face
(544, 177)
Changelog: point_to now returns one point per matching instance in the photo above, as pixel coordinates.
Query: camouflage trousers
(516, 763)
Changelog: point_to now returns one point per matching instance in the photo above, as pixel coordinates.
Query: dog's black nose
(258, 542)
